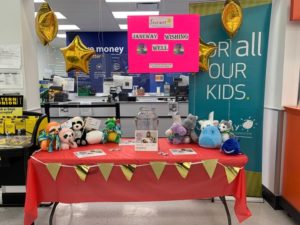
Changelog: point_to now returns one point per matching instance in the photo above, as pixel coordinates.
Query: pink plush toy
(66, 137)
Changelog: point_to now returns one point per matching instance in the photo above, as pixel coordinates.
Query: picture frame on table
(146, 140)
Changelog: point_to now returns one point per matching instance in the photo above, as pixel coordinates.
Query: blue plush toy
(231, 147)
(210, 137)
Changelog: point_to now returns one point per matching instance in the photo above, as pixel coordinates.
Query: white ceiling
(96, 15)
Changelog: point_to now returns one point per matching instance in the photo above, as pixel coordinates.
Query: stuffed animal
(112, 131)
(67, 139)
(231, 147)
(79, 131)
(210, 137)
(225, 128)
(209, 122)
(176, 133)
(189, 124)
(49, 139)
(94, 137)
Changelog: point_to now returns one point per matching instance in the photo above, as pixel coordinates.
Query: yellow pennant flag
(82, 171)
(53, 169)
(105, 169)
(231, 173)
(158, 168)
(183, 168)
(210, 166)
(128, 170)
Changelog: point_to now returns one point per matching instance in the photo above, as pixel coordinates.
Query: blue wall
(114, 60)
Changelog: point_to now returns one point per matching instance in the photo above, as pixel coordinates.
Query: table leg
(52, 213)
(226, 209)
(46, 204)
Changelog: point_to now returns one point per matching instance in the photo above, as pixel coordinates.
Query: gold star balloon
(46, 24)
(232, 17)
(77, 56)
(205, 51)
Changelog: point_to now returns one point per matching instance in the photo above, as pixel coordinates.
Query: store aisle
(148, 213)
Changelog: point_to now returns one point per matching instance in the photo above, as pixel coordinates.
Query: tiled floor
(193, 212)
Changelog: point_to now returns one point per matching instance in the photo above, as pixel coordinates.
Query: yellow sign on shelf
(11, 105)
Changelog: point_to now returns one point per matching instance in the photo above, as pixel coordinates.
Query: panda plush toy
(79, 131)
(66, 137)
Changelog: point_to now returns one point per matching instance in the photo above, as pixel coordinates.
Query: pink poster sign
(163, 44)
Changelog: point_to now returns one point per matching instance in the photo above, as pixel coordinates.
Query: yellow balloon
(232, 17)
(205, 51)
(77, 56)
(46, 24)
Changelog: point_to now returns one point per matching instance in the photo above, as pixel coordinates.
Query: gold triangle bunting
(231, 173)
(105, 169)
(128, 170)
(158, 168)
(210, 166)
(82, 171)
(183, 168)
(53, 169)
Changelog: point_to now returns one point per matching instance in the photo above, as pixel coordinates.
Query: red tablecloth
(144, 186)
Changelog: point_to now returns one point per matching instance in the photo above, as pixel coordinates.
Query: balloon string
(101, 42)
(194, 83)
(99, 22)
(48, 58)
(230, 74)
(102, 35)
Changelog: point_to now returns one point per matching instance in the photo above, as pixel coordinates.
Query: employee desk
(144, 186)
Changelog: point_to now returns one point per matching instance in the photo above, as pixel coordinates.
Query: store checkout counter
(126, 111)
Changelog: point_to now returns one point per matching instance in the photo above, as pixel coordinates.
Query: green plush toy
(112, 131)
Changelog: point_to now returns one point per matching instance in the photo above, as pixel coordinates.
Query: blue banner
(234, 86)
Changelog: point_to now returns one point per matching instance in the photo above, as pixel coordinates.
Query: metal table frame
(222, 198)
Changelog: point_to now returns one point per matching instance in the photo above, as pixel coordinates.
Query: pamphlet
(127, 142)
(90, 153)
(183, 151)
(146, 140)
(92, 123)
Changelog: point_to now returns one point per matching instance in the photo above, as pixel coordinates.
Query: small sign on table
(146, 140)
(183, 151)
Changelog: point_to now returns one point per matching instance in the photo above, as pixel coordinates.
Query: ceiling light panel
(124, 14)
(60, 16)
(68, 27)
(123, 26)
(61, 35)
(39, 1)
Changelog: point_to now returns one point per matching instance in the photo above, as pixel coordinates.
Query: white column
(282, 81)
(17, 28)
(29, 42)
